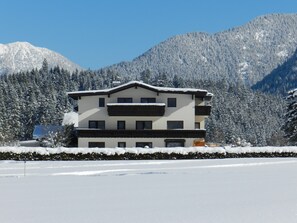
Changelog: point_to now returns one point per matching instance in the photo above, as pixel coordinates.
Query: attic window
(171, 102)
(101, 102)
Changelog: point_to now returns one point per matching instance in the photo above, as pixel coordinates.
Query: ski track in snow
(90, 173)
(120, 169)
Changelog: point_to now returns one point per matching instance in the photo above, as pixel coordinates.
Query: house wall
(89, 109)
(130, 142)
(184, 111)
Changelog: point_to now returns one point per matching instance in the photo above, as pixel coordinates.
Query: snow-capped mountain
(23, 56)
(246, 53)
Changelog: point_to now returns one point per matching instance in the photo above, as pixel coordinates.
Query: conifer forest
(239, 115)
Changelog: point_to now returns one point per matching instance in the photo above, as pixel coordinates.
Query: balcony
(95, 133)
(202, 110)
(136, 109)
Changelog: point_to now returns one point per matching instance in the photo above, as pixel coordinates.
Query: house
(136, 114)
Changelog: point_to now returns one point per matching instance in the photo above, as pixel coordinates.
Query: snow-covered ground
(179, 150)
(175, 191)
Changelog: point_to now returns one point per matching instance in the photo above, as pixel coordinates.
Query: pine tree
(145, 76)
(290, 126)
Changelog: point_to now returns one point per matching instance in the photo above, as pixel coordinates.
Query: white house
(136, 114)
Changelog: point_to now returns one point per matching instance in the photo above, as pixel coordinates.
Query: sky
(99, 33)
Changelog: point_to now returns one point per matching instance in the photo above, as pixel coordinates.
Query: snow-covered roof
(197, 92)
(70, 118)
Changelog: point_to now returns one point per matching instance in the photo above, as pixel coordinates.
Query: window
(143, 124)
(96, 144)
(197, 125)
(148, 100)
(97, 124)
(101, 102)
(121, 125)
(144, 144)
(171, 102)
(125, 100)
(122, 144)
(175, 124)
(174, 142)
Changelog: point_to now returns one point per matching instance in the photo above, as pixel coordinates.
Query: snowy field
(173, 191)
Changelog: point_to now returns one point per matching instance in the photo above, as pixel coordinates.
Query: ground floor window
(175, 142)
(144, 144)
(96, 144)
(122, 144)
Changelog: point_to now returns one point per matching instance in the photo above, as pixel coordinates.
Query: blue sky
(98, 33)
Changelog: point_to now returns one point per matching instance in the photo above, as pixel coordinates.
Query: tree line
(38, 97)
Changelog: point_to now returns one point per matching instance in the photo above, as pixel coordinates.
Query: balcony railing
(202, 110)
(95, 133)
(136, 109)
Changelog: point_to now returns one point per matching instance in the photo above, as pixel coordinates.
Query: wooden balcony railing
(136, 109)
(85, 133)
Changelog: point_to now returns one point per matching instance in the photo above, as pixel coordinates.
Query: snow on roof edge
(141, 84)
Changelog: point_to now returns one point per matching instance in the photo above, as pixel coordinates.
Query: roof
(197, 92)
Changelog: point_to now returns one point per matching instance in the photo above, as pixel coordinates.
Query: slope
(22, 56)
(281, 79)
(245, 53)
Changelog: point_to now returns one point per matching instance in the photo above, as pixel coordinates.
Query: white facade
(111, 111)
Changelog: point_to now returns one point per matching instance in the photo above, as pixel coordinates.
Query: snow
(23, 56)
(160, 89)
(243, 67)
(259, 36)
(282, 53)
(70, 118)
(178, 150)
(175, 191)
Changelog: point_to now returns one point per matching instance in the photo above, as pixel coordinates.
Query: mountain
(22, 56)
(280, 80)
(245, 54)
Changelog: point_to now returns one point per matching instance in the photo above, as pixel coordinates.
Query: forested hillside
(280, 80)
(242, 54)
(39, 97)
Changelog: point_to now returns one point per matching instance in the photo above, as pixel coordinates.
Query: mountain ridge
(23, 56)
(245, 53)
